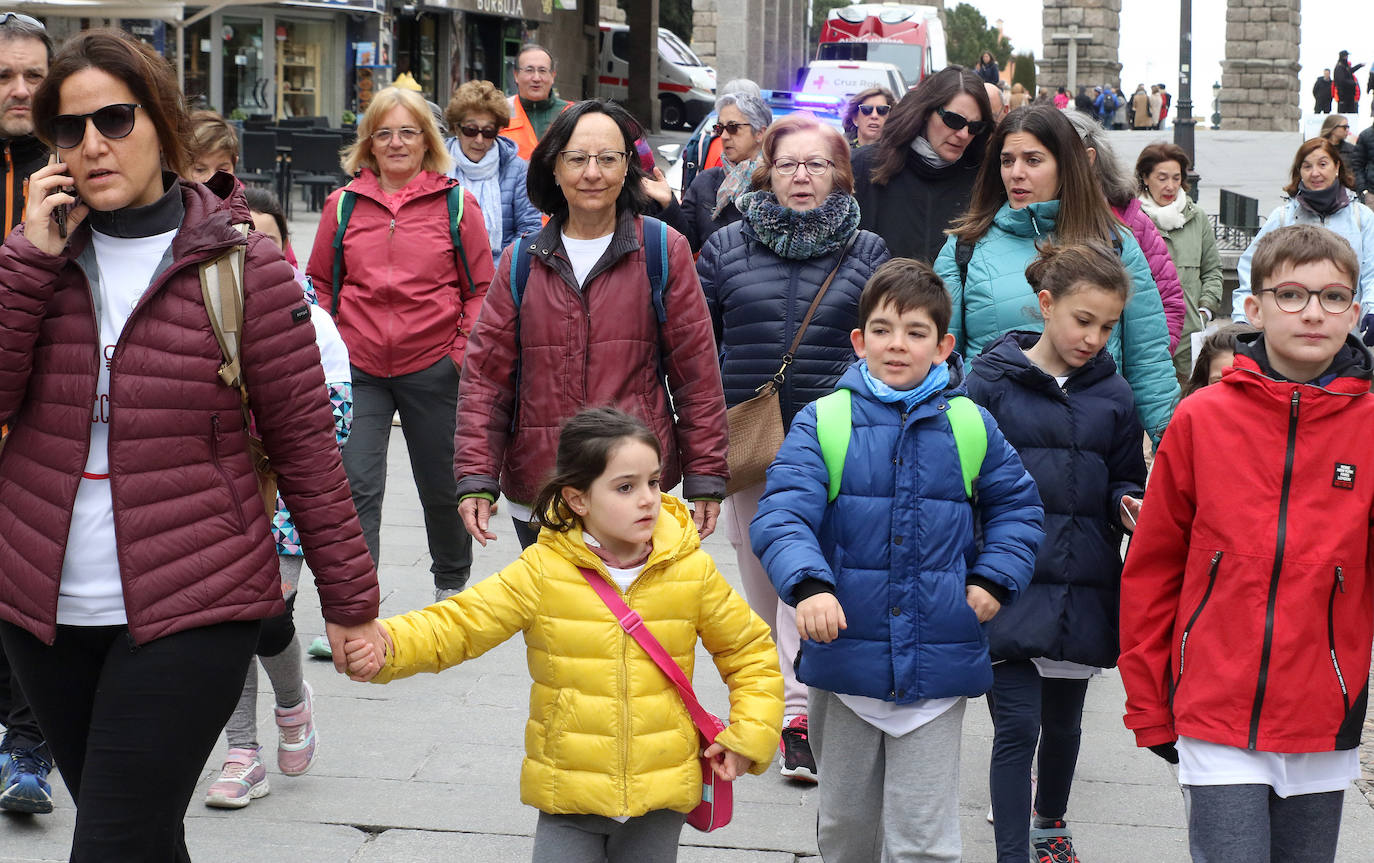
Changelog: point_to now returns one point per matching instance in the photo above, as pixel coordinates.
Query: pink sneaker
(296, 736)
(242, 780)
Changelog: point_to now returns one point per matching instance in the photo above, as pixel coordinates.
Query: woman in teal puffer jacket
(1036, 163)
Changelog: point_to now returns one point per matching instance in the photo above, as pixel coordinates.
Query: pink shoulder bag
(717, 797)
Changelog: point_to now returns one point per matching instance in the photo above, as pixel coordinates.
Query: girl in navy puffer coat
(1072, 418)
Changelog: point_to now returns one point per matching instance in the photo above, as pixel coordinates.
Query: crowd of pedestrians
(974, 319)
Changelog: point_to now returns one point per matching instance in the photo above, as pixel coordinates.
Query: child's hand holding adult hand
(1130, 511)
(366, 637)
(726, 764)
(362, 660)
(820, 618)
(984, 604)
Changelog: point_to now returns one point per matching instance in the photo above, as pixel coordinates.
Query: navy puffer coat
(1082, 445)
(758, 299)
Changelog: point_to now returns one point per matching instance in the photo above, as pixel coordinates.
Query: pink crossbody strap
(632, 623)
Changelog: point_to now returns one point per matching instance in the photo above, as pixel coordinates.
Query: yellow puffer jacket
(607, 733)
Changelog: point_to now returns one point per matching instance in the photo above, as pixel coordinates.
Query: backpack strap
(455, 218)
(656, 262)
(221, 286)
(834, 422)
(343, 211)
(970, 438)
(963, 253)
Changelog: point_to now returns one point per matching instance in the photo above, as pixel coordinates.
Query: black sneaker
(1053, 844)
(797, 761)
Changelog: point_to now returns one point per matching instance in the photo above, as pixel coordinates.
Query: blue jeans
(1028, 710)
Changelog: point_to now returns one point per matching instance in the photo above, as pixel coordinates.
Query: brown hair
(585, 445)
(1064, 270)
(476, 97)
(1084, 214)
(211, 133)
(150, 78)
(908, 284)
(1155, 154)
(358, 155)
(909, 118)
(1221, 340)
(1311, 145)
(1297, 245)
(804, 121)
(1330, 123)
(852, 109)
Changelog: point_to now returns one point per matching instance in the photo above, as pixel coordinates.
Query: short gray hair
(741, 85)
(754, 109)
(1115, 183)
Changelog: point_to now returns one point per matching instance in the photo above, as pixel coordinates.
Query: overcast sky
(1149, 40)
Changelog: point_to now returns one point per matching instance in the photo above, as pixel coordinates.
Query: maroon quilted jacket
(193, 540)
(589, 348)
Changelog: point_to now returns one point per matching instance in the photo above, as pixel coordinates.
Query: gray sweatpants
(1252, 824)
(648, 838)
(884, 798)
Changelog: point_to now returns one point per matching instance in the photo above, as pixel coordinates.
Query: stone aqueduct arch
(1259, 80)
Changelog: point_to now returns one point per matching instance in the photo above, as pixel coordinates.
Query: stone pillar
(704, 30)
(1097, 59)
(1259, 79)
(758, 39)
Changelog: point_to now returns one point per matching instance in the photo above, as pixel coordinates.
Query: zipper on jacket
(623, 674)
(1207, 594)
(1337, 584)
(1271, 605)
(215, 439)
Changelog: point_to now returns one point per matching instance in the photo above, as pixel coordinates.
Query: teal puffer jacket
(997, 299)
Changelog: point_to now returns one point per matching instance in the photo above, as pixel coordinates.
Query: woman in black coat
(919, 176)
(987, 68)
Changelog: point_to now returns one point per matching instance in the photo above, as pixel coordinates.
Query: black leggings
(131, 727)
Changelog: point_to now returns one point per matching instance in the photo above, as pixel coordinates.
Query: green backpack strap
(834, 422)
(833, 425)
(342, 213)
(455, 218)
(970, 438)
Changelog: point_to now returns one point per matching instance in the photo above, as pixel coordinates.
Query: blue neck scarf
(935, 381)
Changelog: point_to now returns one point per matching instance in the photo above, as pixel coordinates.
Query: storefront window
(302, 88)
(198, 63)
(246, 83)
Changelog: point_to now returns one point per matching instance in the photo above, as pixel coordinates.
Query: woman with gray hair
(709, 203)
(1119, 190)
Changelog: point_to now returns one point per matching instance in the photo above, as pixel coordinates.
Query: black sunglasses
(490, 132)
(867, 110)
(732, 128)
(958, 121)
(113, 121)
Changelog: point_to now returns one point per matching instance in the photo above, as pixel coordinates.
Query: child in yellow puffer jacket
(611, 754)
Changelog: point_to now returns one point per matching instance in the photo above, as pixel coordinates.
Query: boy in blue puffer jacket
(890, 585)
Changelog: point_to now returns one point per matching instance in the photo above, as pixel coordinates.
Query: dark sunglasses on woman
(733, 128)
(490, 132)
(867, 110)
(958, 121)
(113, 121)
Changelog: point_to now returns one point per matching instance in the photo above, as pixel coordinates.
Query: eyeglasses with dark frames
(958, 121)
(867, 110)
(1294, 298)
(488, 132)
(113, 121)
(733, 128)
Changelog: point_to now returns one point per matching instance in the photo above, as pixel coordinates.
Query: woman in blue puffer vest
(1036, 164)
(760, 275)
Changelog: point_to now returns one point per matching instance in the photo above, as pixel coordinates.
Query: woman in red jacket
(135, 558)
(405, 302)
(586, 333)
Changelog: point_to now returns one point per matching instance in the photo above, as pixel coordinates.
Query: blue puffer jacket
(757, 300)
(518, 215)
(997, 300)
(1081, 443)
(893, 545)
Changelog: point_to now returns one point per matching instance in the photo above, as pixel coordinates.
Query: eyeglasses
(733, 128)
(958, 121)
(867, 110)
(1293, 298)
(407, 134)
(488, 132)
(25, 20)
(606, 160)
(1345, 126)
(814, 167)
(112, 121)
(542, 71)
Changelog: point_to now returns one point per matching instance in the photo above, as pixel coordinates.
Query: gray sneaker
(443, 593)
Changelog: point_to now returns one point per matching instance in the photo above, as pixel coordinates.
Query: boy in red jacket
(1247, 605)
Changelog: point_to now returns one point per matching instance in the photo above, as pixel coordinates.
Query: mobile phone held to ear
(60, 211)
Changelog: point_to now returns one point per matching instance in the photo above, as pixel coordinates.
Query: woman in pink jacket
(136, 562)
(1120, 193)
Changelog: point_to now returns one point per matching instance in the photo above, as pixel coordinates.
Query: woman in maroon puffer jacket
(135, 557)
(586, 334)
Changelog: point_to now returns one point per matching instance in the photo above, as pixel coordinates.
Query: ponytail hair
(1059, 269)
(585, 445)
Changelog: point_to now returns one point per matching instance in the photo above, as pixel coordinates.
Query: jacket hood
(1007, 357)
(1350, 372)
(853, 378)
(1033, 220)
(675, 536)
